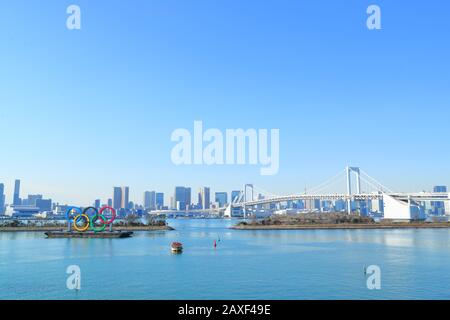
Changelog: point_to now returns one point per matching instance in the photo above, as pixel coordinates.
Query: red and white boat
(176, 247)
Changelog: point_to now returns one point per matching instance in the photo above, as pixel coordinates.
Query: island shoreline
(344, 226)
(60, 228)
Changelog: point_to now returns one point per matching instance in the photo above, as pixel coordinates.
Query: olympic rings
(72, 210)
(94, 219)
(113, 213)
(86, 222)
(76, 215)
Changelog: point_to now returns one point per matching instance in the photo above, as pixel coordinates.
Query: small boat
(176, 247)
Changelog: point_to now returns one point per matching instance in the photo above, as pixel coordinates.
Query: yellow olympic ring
(85, 227)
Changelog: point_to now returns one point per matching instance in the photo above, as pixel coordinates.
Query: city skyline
(119, 197)
(75, 119)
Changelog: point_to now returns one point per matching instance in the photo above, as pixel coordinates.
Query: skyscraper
(16, 200)
(221, 198)
(97, 203)
(2, 198)
(117, 198)
(205, 197)
(126, 198)
(159, 200)
(150, 200)
(180, 198)
(188, 196)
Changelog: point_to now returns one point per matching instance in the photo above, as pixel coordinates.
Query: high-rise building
(200, 201)
(97, 203)
(179, 198)
(110, 202)
(16, 200)
(205, 197)
(2, 199)
(150, 200)
(159, 200)
(121, 198)
(221, 198)
(117, 198)
(126, 198)
(188, 197)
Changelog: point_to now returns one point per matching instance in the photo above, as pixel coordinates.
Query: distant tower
(205, 195)
(16, 199)
(126, 198)
(150, 200)
(117, 198)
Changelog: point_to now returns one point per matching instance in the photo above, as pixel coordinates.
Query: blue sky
(82, 111)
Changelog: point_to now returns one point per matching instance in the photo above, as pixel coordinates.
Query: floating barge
(89, 234)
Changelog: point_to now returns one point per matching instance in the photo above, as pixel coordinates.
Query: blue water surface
(294, 264)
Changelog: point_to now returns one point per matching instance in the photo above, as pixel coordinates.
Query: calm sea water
(313, 264)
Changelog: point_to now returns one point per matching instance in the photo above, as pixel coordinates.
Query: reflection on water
(293, 264)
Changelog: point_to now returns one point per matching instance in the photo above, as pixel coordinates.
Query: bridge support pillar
(349, 185)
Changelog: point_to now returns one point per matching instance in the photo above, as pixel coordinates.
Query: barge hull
(89, 234)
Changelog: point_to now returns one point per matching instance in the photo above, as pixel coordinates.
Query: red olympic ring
(113, 212)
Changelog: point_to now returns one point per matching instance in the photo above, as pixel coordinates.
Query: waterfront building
(110, 202)
(150, 200)
(376, 206)
(43, 204)
(312, 205)
(438, 207)
(300, 204)
(159, 200)
(340, 205)
(399, 210)
(31, 200)
(16, 199)
(181, 197)
(221, 198)
(97, 203)
(24, 211)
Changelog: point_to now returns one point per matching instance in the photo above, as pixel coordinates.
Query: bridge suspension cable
(375, 183)
(327, 183)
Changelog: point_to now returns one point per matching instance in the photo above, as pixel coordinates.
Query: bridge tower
(355, 170)
(248, 196)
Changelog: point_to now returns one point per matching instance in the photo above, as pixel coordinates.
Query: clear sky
(84, 110)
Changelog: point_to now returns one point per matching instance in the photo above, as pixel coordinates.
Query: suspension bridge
(396, 205)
